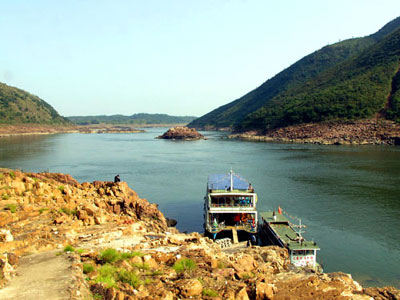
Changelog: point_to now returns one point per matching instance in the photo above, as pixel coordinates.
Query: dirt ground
(44, 276)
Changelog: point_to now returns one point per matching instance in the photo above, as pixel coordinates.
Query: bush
(12, 175)
(87, 268)
(210, 293)
(61, 188)
(69, 248)
(5, 197)
(11, 207)
(129, 277)
(184, 265)
(109, 255)
(43, 209)
(68, 211)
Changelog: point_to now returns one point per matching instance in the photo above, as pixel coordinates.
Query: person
(117, 179)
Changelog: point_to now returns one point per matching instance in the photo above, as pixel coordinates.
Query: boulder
(190, 287)
(181, 133)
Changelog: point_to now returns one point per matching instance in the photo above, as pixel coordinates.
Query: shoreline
(361, 132)
(43, 212)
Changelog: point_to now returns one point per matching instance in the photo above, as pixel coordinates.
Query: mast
(231, 187)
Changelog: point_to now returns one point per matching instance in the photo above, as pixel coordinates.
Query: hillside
(18, 106)
(141, 118)
(360, 87)
(296, 76)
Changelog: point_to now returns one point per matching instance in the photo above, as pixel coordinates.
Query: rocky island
(181, 133)
(69, 240)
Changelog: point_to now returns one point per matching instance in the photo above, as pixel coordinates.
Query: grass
(68, 211)
(142, 266)
(43, 209)
(111, 255)
(1, 176)
(210, 293)
(12, 175)
(87, 268)
(11, 207)
(107, 274)
(5, 197)
(130, 277)
(184, 265)
(69, 248)
(61, 188)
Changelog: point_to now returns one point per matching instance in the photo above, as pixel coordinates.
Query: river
(348, 196)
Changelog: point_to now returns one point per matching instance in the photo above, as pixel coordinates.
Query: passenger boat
(230, 207)
(276, 229)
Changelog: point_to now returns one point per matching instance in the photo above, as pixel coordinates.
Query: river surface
(348, 196)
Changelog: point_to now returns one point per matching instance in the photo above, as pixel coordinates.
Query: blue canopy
(223, 182)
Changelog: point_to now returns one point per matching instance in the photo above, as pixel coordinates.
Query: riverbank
(32, 129)
(40, 212)
(362, 132)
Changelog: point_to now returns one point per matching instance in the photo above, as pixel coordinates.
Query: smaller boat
(276, 229)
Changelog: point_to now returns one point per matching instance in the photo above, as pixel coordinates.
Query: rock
(13, 259)
(190, 287)
(242, 295)
(264, 291)
(6, 270)
(6, 236)
(171, 222)
(181, 133)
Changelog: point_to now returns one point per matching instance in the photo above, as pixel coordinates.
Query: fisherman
(117, 179)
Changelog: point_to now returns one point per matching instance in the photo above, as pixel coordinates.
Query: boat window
(231, 201)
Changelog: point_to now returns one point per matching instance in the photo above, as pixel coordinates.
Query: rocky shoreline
(25, 129)
(116, 245)
(362, 132)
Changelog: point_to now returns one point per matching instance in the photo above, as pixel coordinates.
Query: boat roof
(286, 233)
(223, 182)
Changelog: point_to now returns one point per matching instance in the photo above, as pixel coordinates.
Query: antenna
(231, 188)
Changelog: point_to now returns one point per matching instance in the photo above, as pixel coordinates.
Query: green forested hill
(255, 109)
(141, 118)
(18, 106)
(360, 87)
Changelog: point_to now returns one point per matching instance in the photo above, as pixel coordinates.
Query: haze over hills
(352, 79)
(141, 118)
(19, 107)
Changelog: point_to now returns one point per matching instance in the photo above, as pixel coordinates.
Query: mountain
(18, 107)
(141, 118)
(265, 106)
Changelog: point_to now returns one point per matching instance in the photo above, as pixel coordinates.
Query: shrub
(129, 277)
(210, 293)
(87, 268)
(11, 207)
(69, 248)
(61, 188)
(109, 255)
(184, 265)
(5, 197)
(12, 175)
(68, 211)
(43, 209)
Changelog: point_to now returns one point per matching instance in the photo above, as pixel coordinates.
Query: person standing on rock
(117, 179)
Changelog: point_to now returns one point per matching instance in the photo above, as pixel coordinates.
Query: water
(348, 196)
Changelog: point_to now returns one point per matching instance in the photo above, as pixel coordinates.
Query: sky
(179, 57)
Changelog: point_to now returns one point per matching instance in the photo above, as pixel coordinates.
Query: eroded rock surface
(181, 133)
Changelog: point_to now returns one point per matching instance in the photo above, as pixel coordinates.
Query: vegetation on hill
(290, 96)
(357, 88)
(141, 118)
(18, 106)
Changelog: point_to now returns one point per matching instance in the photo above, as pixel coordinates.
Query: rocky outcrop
(362, 132)
(126, 250)
(181, 133)
(41, 211)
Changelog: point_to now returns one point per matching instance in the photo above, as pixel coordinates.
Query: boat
(276, 229)
(230, 208)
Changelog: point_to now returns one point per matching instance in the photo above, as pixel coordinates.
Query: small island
(181, 133)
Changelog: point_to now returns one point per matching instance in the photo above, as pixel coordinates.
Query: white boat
(230, 207)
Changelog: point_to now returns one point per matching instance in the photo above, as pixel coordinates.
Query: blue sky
(158, 56)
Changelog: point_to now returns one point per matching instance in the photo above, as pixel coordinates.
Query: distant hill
(291, 96)
(141, 118)
(20, 107)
